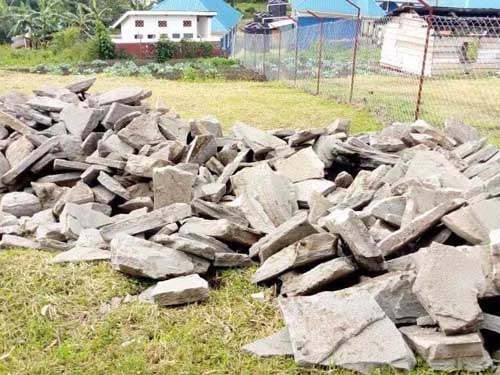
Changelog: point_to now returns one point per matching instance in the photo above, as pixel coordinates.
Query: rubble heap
(379, 245)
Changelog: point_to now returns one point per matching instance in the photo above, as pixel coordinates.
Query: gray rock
(310, 250)
(181, 290)
(491, 323)
(448, 284)
(305, 189)
(79, 120)
(277, 344)
(143, 166)
(61, 165)
(417, 227)
(150, 221)
(347, 329)
(257, 140)
(39, 218)
(195, 244)
(321, 276)
(20, 204)
(303, 165)
(81, 254)
(448, 353)
(172, 185)
(124, 95)
(81, 86)
(113, 186)
(343, 180)
(46, 104)
(223, 230)
(137, 203)
(18, 151)
(303, 136)
(201, 149)
(206, 126)
(232, 260)
(218, 211)
(291, 231)
(142, 258)
(13, 242)
(75, 218)
(118, 111)
(353, 231)
(389, 210)
(460, 132)
(143, 130)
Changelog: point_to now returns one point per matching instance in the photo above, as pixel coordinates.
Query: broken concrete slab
(180, 291)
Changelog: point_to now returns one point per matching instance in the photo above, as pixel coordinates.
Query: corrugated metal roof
(369, 8)
(227, 17)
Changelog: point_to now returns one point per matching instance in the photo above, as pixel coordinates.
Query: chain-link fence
(400, 68)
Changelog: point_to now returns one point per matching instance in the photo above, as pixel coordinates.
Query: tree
(106, 48)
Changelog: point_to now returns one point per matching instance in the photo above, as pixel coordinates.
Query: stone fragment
(124, 95)
(270, 196)
(172, 185)
(201, 149)
(20, 204)
(318, 207)
(195, 244)
(150, 221)
(113, 186)
(390, 210)
(136, 203)
(448, 353)
(222, 229)
(305, 189)
(143, 130)
(75, 218)
(118, 111)
(347, 329)
(81, 86)
(460, 132)
(232, 260)
(79, 120)
(181, 290)
(12, 242)
(303, 136)
(416, 227)
(291, 231)
(213, 210)
(353, 231)
(46, 104)
(81, 254)
(138, 257)
(18, 151)
(491, 323)
(277, 344)
(343, 180)
(257, 140)
(321, 276)
(448, 284)
(143, 166)
(301, 166)
(312, 249)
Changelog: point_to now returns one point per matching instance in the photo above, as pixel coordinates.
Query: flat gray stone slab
(180, 291)
(448, 285)
(303, 165)
(354, 232)
(46, 104)
(349, 330)
(150, 221)
(277, 344)
(293, 230)
(172, 185)
(201, 149)
(312, 249)
(81, 254)
(124, 95)
(79, 120)
(20, 204)
(138, 257)
(143, 130)
(113, 186)
(81, 86)
(322, 276)
(257, 140)
(448, 353)
(194, 243)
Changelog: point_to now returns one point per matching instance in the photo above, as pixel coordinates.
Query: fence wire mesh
(379, 64)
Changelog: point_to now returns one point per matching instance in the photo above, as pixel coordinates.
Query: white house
(198, 20)
(150, 26)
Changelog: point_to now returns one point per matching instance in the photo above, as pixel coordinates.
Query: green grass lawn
(51, 321)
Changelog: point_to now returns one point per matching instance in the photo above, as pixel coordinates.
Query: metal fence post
(424, 61)
(320, 55)
(355, 52)
(279, 54)
(245, 49)
(264, 46)
(296, 54)
(254, 44)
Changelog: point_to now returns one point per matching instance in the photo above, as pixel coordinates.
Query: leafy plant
(106, 49)
(165, 50)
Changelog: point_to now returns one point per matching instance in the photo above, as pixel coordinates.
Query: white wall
(174, 26)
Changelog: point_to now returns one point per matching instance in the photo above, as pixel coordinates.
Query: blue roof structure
(466, 4)
(226, 19)
(369, 8)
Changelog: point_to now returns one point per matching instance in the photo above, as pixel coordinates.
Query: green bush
(105, 45)
(165, 50)
(190, 49)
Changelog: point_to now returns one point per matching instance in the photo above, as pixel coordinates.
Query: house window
(138, 36)
(163, 36)
(187, 23)
(139, 23)
(151, 36)
(188, 36)
(176, 36)
(162, 23)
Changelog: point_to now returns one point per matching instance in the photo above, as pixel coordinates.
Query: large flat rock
(180, 291)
